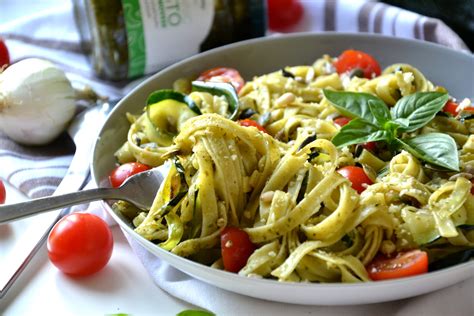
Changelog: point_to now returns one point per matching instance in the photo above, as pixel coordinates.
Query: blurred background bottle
(130, 38)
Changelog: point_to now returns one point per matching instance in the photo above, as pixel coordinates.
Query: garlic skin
(36, 101)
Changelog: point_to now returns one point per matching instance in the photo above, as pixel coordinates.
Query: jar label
(160, 32)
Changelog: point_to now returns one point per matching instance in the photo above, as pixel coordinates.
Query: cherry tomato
(341, 120)
(80, 244)
(351, 59)
(122, 172)
(236, 248)
(223, 74)
(357, 176)
(405, 264)
(284, 13)
(249, 122)
(3, 193)
(370, 146)
(451, 107)
(4, 56)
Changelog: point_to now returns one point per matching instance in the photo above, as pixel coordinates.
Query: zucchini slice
(166, 111)
(221, 89)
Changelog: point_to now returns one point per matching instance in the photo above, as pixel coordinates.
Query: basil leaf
(380, 111)
(435, 148)
(402, 122)
(419, 108)
(354, 104)
(358, 131)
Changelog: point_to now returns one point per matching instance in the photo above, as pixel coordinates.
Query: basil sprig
(373, 121)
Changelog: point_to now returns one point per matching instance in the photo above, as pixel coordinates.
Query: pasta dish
(332, 172)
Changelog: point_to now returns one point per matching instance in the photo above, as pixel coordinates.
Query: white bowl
(441, 65)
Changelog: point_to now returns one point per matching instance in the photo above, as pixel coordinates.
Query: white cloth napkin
(52, 34)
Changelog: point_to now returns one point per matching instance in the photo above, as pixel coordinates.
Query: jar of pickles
(131, 38)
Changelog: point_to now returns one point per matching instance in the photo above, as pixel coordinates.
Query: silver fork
(139, 189)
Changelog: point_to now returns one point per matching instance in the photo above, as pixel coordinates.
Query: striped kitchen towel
(51, 33)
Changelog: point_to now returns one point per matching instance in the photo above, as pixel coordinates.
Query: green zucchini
(166, 111)
(166, 94)
(174, 188)
(221, 89)
(175, 231)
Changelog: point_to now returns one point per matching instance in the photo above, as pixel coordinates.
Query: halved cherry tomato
(236, 248)
(223, 74)
(4, 56)
(451, 107)
(357, 176)
(284, 13)
(80, 244)
(341, 120)
(122, 172)
(249, 122)
(3, 193)
(351, 59)
(405, 264)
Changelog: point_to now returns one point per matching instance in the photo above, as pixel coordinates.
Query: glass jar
(131, 38)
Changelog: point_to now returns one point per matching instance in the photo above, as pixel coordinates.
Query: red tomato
(405, 264)
(357, 176)
(370, 146)
(122, 172)
(284, 13)
(80, 244)
(450, 107)
(4, 56)
(3, 193)
(249, 122)
(351, 59)
(236, 248)
(341, 120)
(223, 74)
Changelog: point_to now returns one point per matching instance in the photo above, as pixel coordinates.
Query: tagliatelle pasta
(284, 188)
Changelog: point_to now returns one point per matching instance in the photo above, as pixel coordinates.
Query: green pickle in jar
(130, 38)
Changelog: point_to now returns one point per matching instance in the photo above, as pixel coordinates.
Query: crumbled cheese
(463, 105)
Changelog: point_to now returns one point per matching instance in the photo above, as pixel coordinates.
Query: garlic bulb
(36, 101)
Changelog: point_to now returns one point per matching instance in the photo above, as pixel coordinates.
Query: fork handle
(11, 212)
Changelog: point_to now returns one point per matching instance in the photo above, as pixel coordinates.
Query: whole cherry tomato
(4, 56)
(405, 264)
(3, 193)
(283, 14)
(352, 59)
(123, 172)
(236, 248)
(223, 74)
(80, 244)
(357, 176)
(249, 122)
(370, 146)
